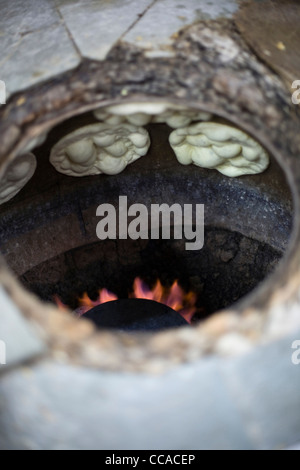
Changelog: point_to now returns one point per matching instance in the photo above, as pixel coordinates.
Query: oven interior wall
(48, 232)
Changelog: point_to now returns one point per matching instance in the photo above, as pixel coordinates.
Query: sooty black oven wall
(49, 230)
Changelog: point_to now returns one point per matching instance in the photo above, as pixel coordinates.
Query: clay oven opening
(57, 236)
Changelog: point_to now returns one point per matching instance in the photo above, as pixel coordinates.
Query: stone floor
(43, 38)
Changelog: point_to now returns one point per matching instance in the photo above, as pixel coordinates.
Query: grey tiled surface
(40, 39)
(166, 17)
(24, 17)
(34, 44)
(21, 342)
(96, 25)
(38, 56)
(247, 403)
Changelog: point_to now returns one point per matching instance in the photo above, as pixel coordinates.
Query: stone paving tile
(34, 44)
(19, 16)
(35, 57)
(95, 26)
(265, 386)
(167, 17)
(20, 343)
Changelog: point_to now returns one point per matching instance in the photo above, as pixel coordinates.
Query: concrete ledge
(19, 341)
(252, 402)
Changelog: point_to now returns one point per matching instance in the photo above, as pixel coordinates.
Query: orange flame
(61, 306)
(87, 304)
(174, 297)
